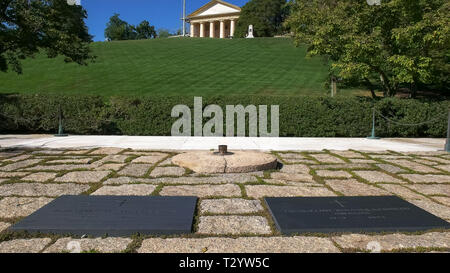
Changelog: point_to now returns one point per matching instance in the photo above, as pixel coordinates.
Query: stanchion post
(373, 126)
(60, 124)
(447, 144)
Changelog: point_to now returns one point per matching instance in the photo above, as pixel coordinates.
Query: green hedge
(299, 116)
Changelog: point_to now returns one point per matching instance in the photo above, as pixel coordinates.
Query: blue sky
(160, 13)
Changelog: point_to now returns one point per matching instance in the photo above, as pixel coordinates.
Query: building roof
(203, 11)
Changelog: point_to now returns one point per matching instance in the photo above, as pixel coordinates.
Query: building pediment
(215, 7)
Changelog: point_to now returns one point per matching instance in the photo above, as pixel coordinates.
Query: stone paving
(231, 215)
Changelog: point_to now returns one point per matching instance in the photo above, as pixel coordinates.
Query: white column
(192, 30)
(222, 29)
(232, 27)
(202, 30)
(212, 29)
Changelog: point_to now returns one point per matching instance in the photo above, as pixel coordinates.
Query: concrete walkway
(207, 143)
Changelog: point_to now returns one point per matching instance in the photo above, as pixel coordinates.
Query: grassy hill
(269, 66)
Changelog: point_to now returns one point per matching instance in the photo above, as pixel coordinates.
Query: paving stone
(292, 176)
(348, 154)
(83, 176)
(24, 245)
(144, 153)
(152, 159)
(19, 165)
(350, 166)
(167, 171)
(337, 174)
(126, 190)
(18, 158)
(4, 155)
(230, 206)
(414, 166)
(135, 170)
(233, 225)
(3, 180)
(13, 207)
(402, 191)
(127, 180)
(391, 157)
(432, 189)
(4, 226)
(394, 241)
(64, 167)
(227, 190)
(297, 168)
(298, 161)
(433, 208)
(377, 177)
(48, 152)
(39, 177)
(443, 167)
(216, 179)
(77, 152)
(426, 162)
(71, 161)
(239, 245)
(352, 187)
(166, 162)
(259, 191)
(291, 156)
(12, 174)
(115, 158)
(426, 178)
(283, 182)
(368, 161)
(427, 153)
(112, 166)
(38, 189)
(437, 159)
(106, 151)
(443, 200)
(390, 168)
(102, 245)
(326, 158)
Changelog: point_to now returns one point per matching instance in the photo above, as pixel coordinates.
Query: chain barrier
(439, 118)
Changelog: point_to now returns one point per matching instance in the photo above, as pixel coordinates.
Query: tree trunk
(371, 88)
(413, 89)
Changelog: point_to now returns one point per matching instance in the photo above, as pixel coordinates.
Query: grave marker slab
(350, 214)
(112, 216)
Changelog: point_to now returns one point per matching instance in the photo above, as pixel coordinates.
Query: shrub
(299, 116)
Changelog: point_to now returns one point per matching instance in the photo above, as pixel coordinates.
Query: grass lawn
(177, 66)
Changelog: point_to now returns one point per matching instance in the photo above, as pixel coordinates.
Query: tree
(401, 43)
(117, 29)
(266, 16)
(28, 26)
(145, 31)
(163, 33)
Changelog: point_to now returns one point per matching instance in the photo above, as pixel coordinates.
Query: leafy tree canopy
(117, 29)
(266, 16)
(145, 31)
(401, 43)
(26, 26)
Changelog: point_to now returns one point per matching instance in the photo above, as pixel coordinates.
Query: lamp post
(447, 144)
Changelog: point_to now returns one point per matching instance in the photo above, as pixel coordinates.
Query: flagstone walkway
(231, 216)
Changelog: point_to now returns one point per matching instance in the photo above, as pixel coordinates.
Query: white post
(202, 29)
(222, 29)
(232, 27)
(211, 29)
(184, 18)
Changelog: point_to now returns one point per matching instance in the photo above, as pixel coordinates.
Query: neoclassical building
(217, 19)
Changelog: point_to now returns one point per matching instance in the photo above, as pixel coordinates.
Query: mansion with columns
(217, 19)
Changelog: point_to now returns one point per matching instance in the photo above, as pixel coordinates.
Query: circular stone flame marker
(225, 161)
